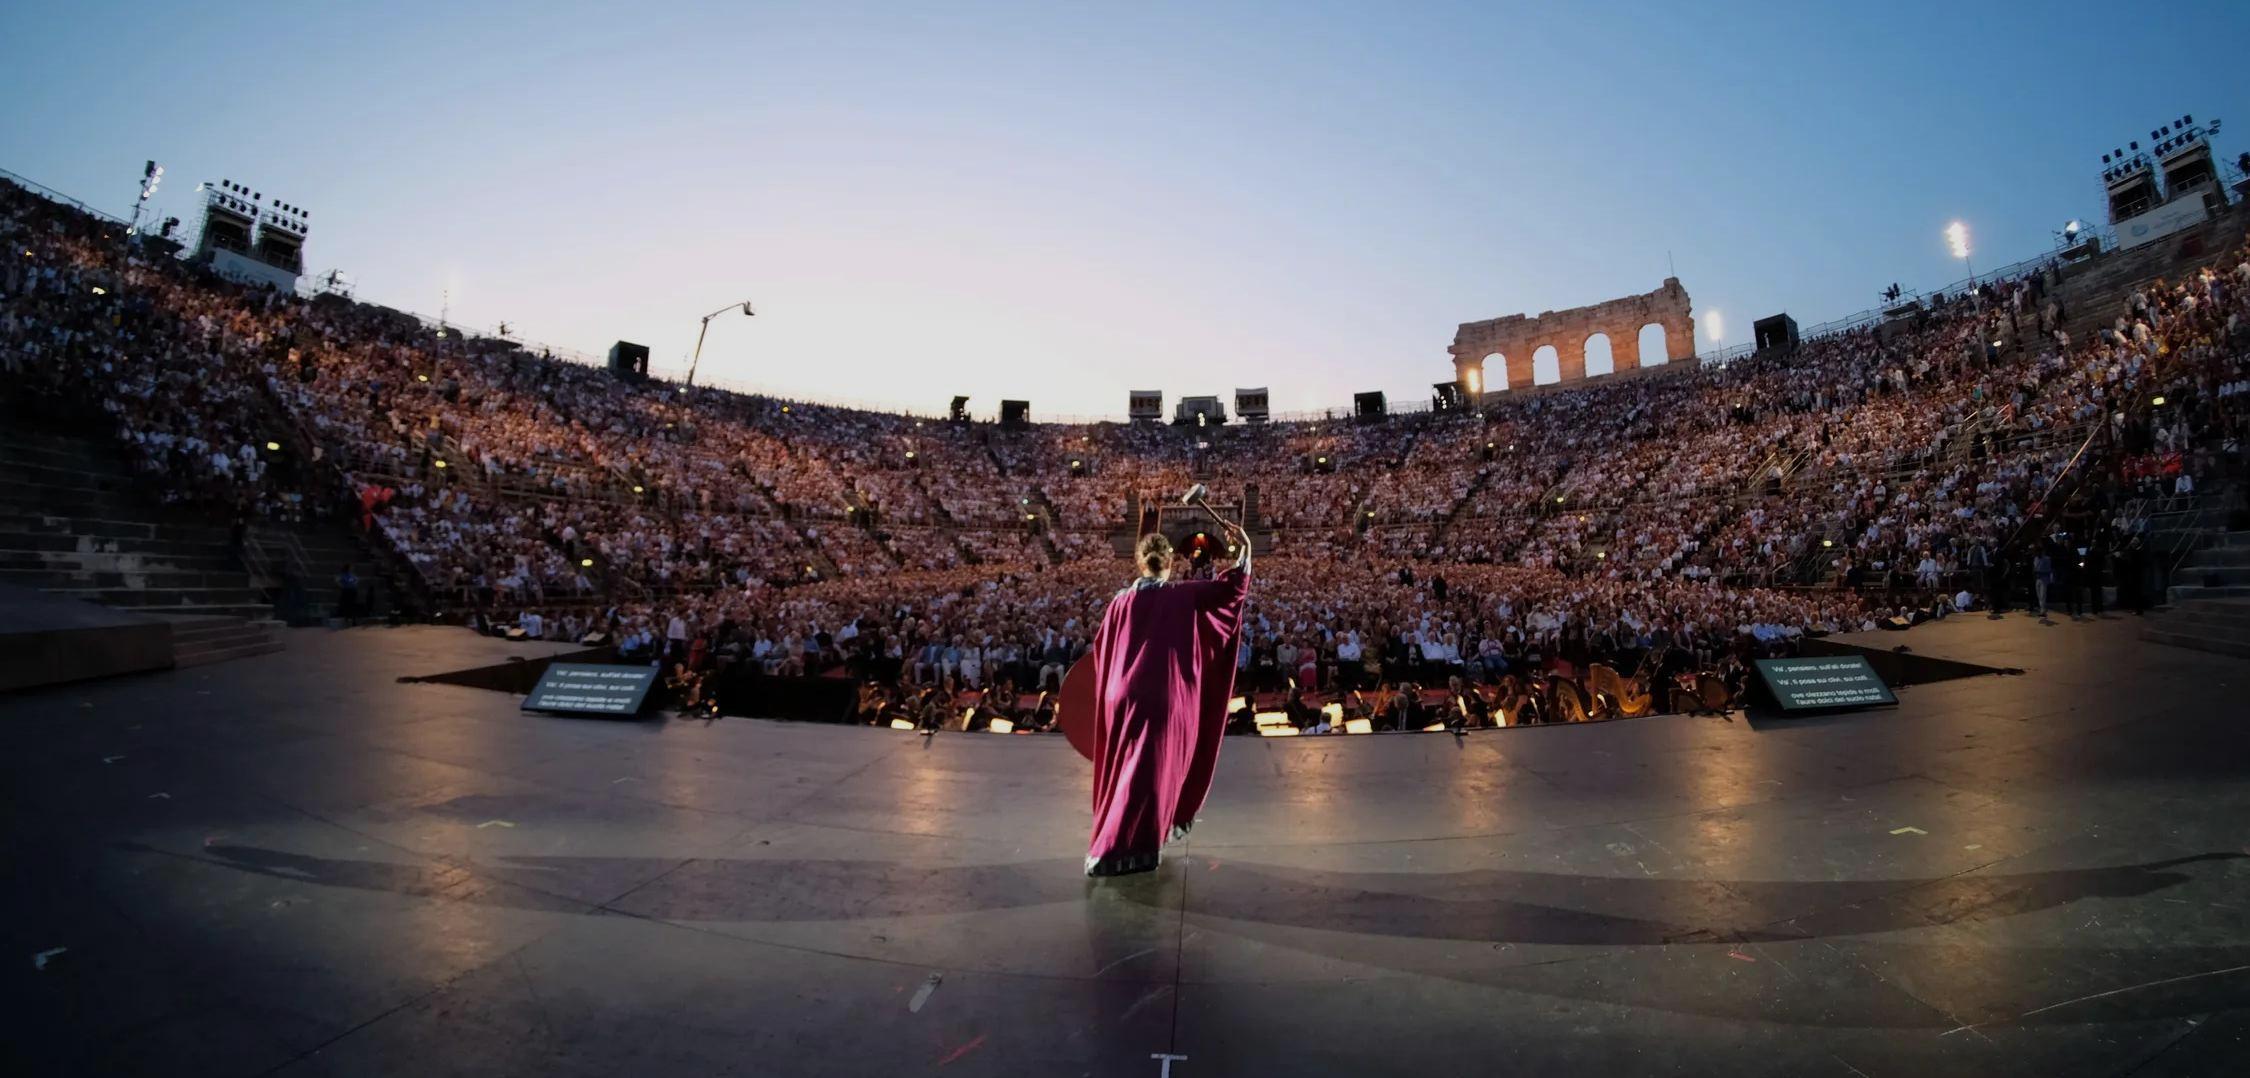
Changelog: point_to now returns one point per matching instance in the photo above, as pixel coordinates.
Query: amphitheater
(276, 570)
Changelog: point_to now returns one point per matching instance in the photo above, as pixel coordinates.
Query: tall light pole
(699, 335)
(151, 175)
(1957, 239)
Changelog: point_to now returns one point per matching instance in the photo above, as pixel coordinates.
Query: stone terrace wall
(1518, 337)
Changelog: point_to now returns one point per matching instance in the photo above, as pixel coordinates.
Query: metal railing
(52, 195)
(2046, 500)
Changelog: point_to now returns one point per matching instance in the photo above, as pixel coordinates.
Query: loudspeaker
(1370, 406)
(1778, 331)
(628, 361)
(1015, 413)
(1250, 404)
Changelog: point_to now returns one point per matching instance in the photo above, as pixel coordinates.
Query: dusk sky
(1065, 202)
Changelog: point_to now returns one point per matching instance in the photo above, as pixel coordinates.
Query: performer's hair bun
(1154, 553)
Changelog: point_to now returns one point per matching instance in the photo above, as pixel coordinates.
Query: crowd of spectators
(1889, 471)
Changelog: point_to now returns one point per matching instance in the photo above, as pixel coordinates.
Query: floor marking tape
(922, 994)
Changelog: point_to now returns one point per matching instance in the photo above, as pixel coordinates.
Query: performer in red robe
(1163, 664)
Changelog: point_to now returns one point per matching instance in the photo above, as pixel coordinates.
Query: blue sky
(1067, 201)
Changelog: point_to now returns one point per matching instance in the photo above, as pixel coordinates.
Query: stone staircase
(1043, 508)
(2218, 568)
(2209, 607)
(74, 524)
(197, 641)
(2220, 626)
(300, 565)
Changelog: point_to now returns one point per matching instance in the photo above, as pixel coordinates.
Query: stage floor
(294, 865)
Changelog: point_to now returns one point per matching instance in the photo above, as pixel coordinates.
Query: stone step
(140, 598)
(2212, 575)
(210, 630)
(2184, 593)
(61, 473)
(2216, 645)
(2200, 539)
(337, 550)
(20, 480)
(2229, 611)
(183, 658)
(89, 458)
(140, 525)
(2200, 625)
(72, 561)
(2217, 557)
(223, 640)
(52, 578)
(256, 611)
(93, 543)
(58, 503)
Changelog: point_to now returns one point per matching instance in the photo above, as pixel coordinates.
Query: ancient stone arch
(1601, 358)
(1618, 319)
(1544, 359)
(1661, 346)
(1495, 372)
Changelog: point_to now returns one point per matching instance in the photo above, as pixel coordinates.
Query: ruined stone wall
(1518, 337)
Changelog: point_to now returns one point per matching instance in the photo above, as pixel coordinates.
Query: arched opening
(1653, 351)
(1495, 376)
(1598, 359)
(1546, 366)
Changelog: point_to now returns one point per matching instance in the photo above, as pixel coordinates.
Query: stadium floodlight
(152, 174)
(1957, 241)
(1714, 327)
(699, 334)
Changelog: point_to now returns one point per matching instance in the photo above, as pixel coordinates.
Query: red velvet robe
(1163, 667)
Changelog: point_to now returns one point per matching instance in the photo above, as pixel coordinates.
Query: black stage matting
(294, 865)
(517, 673)
(1899, 664)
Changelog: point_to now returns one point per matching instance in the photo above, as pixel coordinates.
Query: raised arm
(1239, 534)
